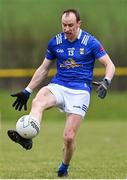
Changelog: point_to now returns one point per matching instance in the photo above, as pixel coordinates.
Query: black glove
(102, 88)
(22, 98)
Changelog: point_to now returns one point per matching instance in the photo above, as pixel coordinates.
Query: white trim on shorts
(70, 100)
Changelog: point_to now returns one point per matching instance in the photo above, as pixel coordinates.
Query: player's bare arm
(40, 74)
(109, 73)
(109, 66)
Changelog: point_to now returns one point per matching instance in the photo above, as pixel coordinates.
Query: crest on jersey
(81, 51)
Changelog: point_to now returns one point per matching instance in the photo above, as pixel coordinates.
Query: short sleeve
(97, 49)
(49, 52)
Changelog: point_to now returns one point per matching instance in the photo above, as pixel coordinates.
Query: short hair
(74, 11)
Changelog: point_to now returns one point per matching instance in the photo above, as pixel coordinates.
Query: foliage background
(27, 26)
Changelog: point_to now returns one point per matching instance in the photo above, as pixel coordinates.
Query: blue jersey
(75, 60)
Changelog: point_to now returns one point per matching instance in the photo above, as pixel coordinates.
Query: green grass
(114, 107)
(101, 142)
(101, 152)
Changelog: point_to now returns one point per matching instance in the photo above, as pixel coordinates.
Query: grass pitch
(101, 152)
(101, 143)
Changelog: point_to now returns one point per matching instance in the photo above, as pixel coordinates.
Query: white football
(27, 126)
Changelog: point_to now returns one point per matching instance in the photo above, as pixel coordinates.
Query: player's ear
(79, 23)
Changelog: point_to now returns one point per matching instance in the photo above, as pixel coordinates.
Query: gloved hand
(22, 98)
(102, 88)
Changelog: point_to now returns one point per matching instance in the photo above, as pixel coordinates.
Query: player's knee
(69, 137)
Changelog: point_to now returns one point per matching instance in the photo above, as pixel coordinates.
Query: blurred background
(26, 26)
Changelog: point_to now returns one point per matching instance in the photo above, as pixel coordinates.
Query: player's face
(70, 26)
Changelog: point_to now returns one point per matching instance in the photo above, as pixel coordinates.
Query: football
(27, 126)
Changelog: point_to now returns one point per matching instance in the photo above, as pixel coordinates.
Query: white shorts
(70, 100)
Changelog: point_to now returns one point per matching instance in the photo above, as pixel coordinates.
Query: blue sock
(63, 167)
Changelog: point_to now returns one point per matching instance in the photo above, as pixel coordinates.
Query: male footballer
(75, 52)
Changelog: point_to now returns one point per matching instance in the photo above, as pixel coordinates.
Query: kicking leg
(25, 143)
(43, 100)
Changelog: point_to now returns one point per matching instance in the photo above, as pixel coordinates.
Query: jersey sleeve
(49, 52)
(97, 49)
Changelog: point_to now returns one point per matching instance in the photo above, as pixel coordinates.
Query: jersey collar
(79, 35)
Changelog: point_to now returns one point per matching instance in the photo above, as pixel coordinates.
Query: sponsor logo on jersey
(60, 51)
(70, 63)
